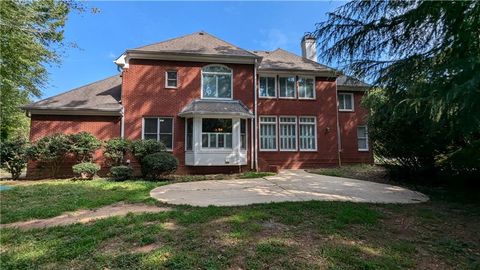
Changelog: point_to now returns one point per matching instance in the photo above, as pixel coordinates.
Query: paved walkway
(288, 185)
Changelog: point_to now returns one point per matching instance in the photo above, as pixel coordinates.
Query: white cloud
(111, 55)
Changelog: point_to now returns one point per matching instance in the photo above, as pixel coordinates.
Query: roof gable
(199, 43)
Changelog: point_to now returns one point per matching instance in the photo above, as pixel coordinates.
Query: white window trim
(366, 139)
(314, 89)
(158, 129)
(217, 73)
(276, 132)
(246, 135)
(166, 79)
(275, 82)
(315, 132)
(294, 86)
(352, 99)
(296, 132)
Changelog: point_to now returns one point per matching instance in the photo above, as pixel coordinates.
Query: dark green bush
(84, 145)
(121, 172)
(51, 151)
(141, 148)
(86, 170)
(115, 150)
(13, 156)
(158, 164)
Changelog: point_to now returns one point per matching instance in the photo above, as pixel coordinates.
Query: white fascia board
(132, 54)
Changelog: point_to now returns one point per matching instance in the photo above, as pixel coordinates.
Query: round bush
(141, 148)
(158, 164)
(86, 170)
(121, 172)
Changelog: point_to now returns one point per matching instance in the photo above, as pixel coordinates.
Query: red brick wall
(102, 127)
(348, 129)
(144, 94)
(324, 108)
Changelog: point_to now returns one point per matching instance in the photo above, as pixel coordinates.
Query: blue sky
(104, 36)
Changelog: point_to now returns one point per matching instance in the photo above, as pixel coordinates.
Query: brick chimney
(309, 47)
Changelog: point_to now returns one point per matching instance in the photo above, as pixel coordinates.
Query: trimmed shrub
(158, 164)
(115, 150)
(51, 151)
(13, 156)
(121, 172)
(141, 148)
(84, 145)
(86, 170)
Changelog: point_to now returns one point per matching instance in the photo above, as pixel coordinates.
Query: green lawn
(305, 235)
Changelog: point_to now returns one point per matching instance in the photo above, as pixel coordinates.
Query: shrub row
(51, 151)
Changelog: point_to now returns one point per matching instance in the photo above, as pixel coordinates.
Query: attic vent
(201, 33)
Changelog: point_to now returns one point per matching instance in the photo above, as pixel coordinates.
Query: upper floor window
(267, 86)
(216, 82)
(171, 79)
(287, 87)
(345, 102)
(160, 129)
(306, 87)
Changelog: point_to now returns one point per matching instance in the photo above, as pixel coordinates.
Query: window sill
(267, 97)
(307, 98)
(292, 98)
(363, 150)
(171, 87)
(308, 150)
(268, 150)
(340, 110)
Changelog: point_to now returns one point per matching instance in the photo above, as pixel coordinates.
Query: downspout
(122, 124)
(339, 139)
(255, 115)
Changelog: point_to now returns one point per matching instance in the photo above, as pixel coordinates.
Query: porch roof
(216, 108)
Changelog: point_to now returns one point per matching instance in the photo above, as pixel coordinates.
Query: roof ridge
(168, 40)
(229, 43)
(69, 91)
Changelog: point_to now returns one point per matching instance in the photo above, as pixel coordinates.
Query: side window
(287, 87)
(308, 133)
(362, 138)
(171, 79)
(160, 129)
(268, 133)
(345, 102)
(306, 88)
(288, 133)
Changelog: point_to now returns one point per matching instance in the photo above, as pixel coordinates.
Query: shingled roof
(216, 107)
(283, 60)
(100, 97)
(350, 83)
(199, 43)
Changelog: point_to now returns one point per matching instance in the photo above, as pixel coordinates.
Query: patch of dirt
(85, 216)
(146, 248)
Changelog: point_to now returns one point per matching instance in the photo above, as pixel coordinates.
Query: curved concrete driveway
(288, 185)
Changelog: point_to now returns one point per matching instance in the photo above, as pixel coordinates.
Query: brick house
(218, 108)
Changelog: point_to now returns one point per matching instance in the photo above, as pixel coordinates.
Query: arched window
(216, 82)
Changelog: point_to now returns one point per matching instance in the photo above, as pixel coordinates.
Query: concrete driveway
(288, 185)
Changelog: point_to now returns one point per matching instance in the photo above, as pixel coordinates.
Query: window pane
(271, 86)
(212, 138)
(167, 140)
(217, 125)
(204, 140)
(287, 87)
(263, 87)
(362, 143)
(221, 140)
(310, 88)
(341, 101)
(301, 87)
(228, 140)
(166, 125)
(348, 102)
(172, 75)
(189, 134)
(221, 69)
(150, 125)
(150, 136)
(361, 132)
(224, 86)
(209, 85)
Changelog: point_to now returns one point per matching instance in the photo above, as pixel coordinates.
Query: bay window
(362, 138)
(287, 87)
(268, 133)
(288, 133)
(160, 129)
(306, 87)
(216, 82)
(243, 134)
(216, 133)
(267, 87)
(308, 133)
(189, 134)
